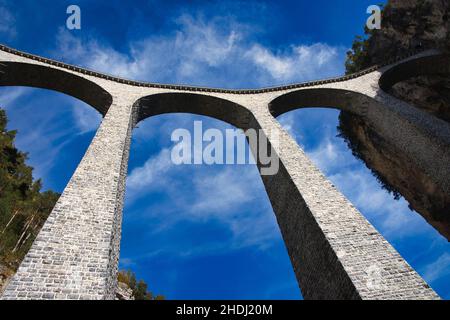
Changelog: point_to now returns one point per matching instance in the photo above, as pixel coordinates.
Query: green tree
(139, 288)
(358, 57)
(23, 207)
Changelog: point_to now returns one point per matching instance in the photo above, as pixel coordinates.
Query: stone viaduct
(335, 252)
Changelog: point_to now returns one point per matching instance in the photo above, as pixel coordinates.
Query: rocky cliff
(124, 292)
(406, 25)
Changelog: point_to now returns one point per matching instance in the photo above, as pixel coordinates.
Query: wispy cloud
(215, 52)
(8, 97)
(438, 269)
(86, 118)
(298, 62)
(226, 194)
(221, 193)
(7, 21)
(152, 174)
(330, 156)
(92, 54)
(288, 122)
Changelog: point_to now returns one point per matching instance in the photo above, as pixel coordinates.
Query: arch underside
(344, 100)
(422, 66)
(37, 76)
(203, 105)
(200, 104)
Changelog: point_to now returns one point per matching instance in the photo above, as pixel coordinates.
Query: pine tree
(23, 207)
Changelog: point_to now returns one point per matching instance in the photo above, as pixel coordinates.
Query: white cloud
(331, 156)
(11, 95)
(93, 55)
(7, 22)
(222, 192)
(216, 193)
(326, 156)
(217, 52)
(299, 62)
(437, 269)
(255, 230)
(229, 195)
(288, 122)
(152, 173)
(127, 262)
(206, 42)
(278, 67)
(86, 118)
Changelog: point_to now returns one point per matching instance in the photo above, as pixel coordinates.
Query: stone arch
(201, 104)
(214, 107)
(421, 66)
(344, 100)
(37, 76)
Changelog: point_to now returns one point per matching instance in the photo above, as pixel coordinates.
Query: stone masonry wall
(76, 253)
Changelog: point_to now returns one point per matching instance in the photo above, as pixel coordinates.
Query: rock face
(124, 292)
(406, 25)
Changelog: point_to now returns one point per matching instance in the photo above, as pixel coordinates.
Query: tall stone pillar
(76, 253)
(335, 252)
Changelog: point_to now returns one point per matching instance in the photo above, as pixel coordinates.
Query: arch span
(345, 100)
(419, 66)
(205, 105)
(37, 76)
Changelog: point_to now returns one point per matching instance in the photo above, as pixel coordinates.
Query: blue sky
(196, 232)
